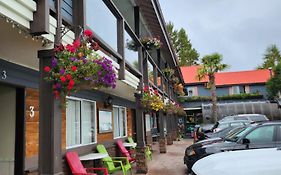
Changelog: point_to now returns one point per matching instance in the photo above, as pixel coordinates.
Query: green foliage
(273, 85)
(243, 96)
(271, 57)
(187, 54)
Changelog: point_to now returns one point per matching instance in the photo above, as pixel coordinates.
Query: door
(7, 129)
(262, 137)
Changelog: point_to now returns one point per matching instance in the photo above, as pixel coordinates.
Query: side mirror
(245, 141)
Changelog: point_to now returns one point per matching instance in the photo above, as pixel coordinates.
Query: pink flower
(88, 33)
(47, 69)
(95, 46)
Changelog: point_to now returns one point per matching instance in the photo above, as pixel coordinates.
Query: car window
(236, 134)
(237, 124)
(261, 135)
(223, 125)
(257, 118)
(241, 118)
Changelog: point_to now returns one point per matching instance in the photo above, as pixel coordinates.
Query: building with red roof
(238, 92)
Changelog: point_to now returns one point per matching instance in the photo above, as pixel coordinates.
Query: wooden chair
(124, 151)
(115, 164)
(77, 168)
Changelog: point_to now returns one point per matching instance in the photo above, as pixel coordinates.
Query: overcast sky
(240, 30)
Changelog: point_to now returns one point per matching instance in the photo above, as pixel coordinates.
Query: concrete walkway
(170, 163)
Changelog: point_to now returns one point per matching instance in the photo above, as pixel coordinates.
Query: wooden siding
(32, 123)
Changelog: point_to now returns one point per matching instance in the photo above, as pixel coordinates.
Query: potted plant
(169, 108)
(77, 66)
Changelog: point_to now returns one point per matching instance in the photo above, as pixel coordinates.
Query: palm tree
(211, 64)
(271, 57)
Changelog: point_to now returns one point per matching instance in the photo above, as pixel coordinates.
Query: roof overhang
(153, 15)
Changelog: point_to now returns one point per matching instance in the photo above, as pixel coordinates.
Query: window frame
(126, 123)
(81, 117)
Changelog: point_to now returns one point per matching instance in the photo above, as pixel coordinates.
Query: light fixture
(108, 101)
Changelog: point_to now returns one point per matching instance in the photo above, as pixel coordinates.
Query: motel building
(36, 130)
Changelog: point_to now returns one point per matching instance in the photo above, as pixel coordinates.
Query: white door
(7, 129)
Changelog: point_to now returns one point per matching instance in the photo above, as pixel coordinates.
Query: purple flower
(54, 62)
(87, 78)
(62, 71)
(57, 86)
(72, 59)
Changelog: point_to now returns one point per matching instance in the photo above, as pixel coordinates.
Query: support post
(169, 130)
(141, 160)
(162, 137)
(50, 158)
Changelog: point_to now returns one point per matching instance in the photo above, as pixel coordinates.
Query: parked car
(246, 162)
(200, 131)
(249, 117)
(226, 124)
(258, 135)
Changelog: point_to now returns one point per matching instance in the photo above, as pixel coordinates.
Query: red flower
(57, 94)
(71, 83)
(59, 48)
(47, 69)
(88, 33)
(73, 68)
(95, 46)
(146, 88)
(156, 92)
(70, 48)
(62, 79)
(68, 76)
(76, 43)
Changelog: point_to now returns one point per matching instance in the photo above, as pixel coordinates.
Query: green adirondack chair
(148, 152)
(114, 164)
(130, 140)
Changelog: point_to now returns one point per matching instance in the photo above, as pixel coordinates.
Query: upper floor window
(100, 19)
(120, 121)
(80, 122)
(131, 54)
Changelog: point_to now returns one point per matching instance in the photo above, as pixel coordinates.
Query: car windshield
(258, 118)
(223, 125)
(235, 134)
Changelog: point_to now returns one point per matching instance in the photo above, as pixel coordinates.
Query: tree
(211, 64)
(187, 54)
(273, 86)
(271, 57)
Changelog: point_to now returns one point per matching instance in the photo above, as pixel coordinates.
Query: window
(261, 135)
(236, 89)
(100, 19)
(80, 122)
(147, 122)
(120, 121)
(131, 56)
(192, 91)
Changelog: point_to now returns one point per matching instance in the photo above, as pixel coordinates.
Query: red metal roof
(227, 78)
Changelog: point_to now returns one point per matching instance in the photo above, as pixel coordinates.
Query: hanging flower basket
(151, 101)
(169, 108)
(77, 66)
(149, 43)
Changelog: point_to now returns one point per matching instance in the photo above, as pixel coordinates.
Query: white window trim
(126, 130)
(96, 134)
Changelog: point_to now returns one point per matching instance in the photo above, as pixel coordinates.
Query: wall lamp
(108, 101)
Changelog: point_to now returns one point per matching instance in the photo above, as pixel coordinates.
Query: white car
(246, 162)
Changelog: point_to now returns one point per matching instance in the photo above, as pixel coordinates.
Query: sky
(240, 30)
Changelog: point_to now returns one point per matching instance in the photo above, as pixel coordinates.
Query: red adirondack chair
(124, 151)
(77, 167)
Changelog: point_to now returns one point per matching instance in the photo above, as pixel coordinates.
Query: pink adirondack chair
(124, 151)
(77, 167)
